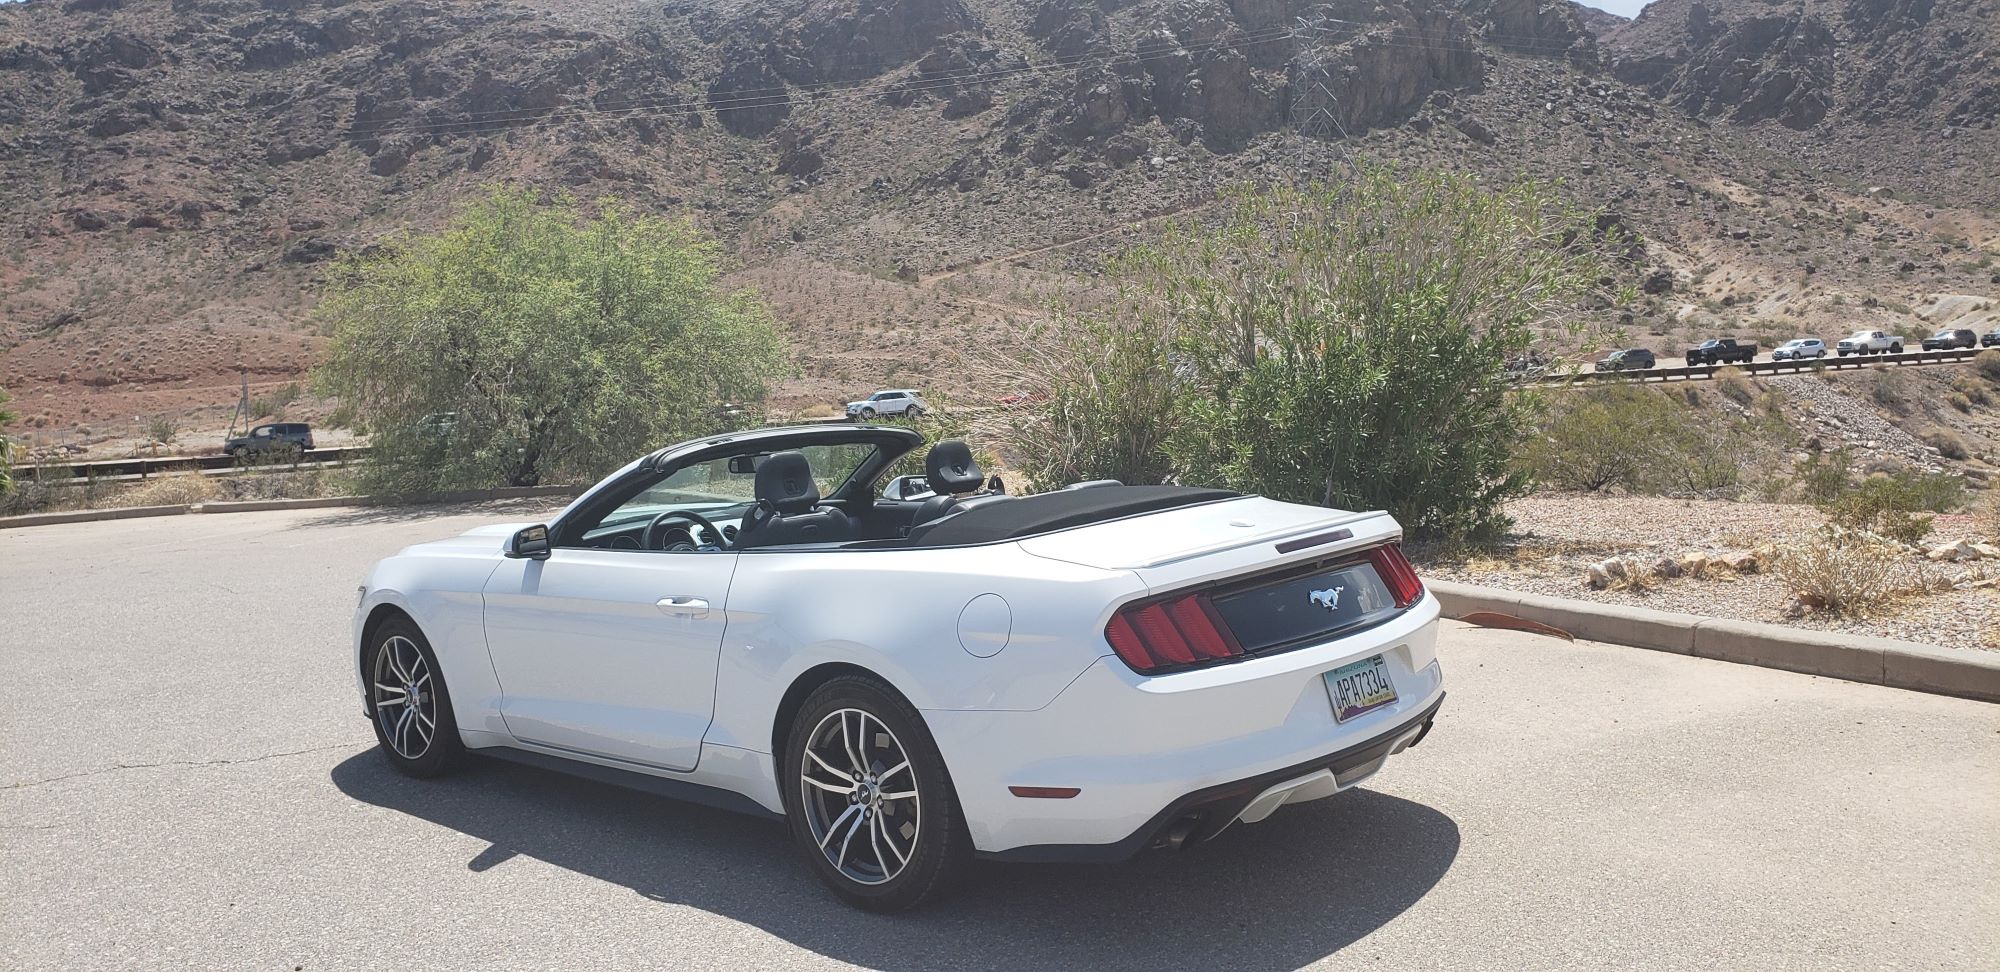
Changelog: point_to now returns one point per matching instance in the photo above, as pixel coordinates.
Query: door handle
(689, 607)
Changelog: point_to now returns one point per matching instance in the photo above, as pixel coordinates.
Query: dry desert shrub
(1850, 575)
(179, 489)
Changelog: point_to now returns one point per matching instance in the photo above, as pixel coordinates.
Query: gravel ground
(1557, 537)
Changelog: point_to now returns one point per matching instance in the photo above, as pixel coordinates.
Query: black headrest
(950, 468)
(785, 480)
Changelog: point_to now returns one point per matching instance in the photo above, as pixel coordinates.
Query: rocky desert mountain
(905, 178)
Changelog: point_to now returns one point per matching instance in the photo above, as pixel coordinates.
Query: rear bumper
(1208, 811)
(1143, 750)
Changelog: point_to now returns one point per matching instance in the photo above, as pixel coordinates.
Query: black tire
(913, 413)
(868, 413)
(939, 845)
(443, 751)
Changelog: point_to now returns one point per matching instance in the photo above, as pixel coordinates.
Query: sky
(1623, 8)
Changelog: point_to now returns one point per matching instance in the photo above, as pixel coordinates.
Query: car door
(610, 652)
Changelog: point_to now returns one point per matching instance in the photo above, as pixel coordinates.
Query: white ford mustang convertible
(748, 621)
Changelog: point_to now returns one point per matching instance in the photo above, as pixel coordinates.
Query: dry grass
(1849, 576)
(180, 489)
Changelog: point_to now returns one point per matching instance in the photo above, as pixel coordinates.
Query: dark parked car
(1990, 338)
(1950, 338)
(1630, 359)
(1722, 351)
(269, 438)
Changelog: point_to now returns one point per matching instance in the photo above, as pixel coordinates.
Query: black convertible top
(1029, 516)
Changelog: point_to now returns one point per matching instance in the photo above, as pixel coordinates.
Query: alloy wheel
(405, 697)
(859, 794)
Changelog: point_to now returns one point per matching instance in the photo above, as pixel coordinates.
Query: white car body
(1799, 349)
(1868, 342)
(675, 670)
(898, 401)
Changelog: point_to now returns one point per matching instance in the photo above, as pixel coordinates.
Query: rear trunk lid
(1194, 544)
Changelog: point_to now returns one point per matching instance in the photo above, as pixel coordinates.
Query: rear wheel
(408, 704)
(867, 797)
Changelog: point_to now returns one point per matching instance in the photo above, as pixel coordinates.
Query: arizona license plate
(1359, 687)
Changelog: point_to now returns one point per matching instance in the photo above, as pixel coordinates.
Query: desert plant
(1096, 399)
(1735, 386)
(1824, 476)
(162, 430)
(1893, 505)
(6, 447)
(1987, 363)
(175, 489)
(1845, 574)
(1345, 345)
(560, 342)
(1598, 439)
(1948, 443)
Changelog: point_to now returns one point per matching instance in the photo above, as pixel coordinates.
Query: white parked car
(902, 401)
(1870, 342)
(1072, 676)
(1799, 349)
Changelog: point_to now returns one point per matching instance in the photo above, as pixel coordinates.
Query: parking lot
(186, 781)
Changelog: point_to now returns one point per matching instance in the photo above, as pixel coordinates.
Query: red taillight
(1170, 634)
(1396, 572)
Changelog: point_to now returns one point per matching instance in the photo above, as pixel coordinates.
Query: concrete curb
(259, 506)
(1969, 674)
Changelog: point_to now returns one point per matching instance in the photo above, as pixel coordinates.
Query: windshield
(716, 491)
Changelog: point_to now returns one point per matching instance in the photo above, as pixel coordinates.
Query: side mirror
(531, 543)
(907, 488)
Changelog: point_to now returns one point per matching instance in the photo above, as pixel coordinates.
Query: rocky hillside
(905, 177)
(1877, 86)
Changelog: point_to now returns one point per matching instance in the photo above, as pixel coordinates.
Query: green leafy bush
(530, 341)
(1643, 440)
(1338, 345)
(1894, 505)
(1824, 476)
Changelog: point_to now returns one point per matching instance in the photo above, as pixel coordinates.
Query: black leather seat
(788, 509)
(952, 473)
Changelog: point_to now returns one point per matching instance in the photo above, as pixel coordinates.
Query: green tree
(531, 341)
(1339, 345)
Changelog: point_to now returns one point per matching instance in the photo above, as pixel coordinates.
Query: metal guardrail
(1705, 372)
(117, 470)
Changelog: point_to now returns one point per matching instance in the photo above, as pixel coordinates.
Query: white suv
(1799, 349)
(1869, 342)
(900, 401)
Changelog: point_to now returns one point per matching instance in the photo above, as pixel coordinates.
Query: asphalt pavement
(186, 782)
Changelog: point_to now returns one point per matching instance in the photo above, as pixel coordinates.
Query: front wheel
(868, 413)
(408, 704)
(867, 797)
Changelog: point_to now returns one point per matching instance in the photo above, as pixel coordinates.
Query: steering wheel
(721, 542)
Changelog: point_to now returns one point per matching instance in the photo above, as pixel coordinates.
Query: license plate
(1359, 687)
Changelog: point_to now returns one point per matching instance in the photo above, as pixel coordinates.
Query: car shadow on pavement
(1279, 894)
